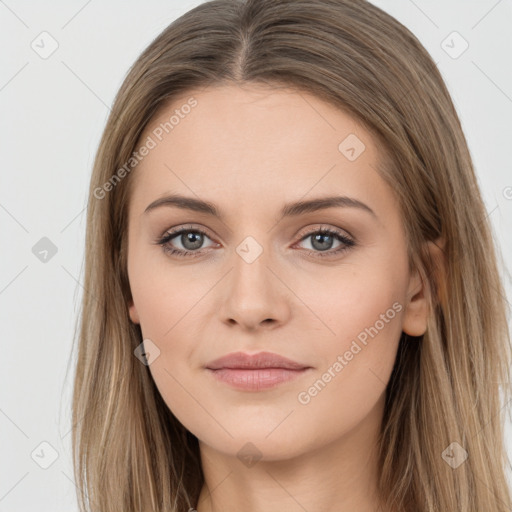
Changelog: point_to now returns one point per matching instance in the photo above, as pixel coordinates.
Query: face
(251, 260)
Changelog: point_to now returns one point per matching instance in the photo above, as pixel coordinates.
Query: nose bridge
(250, 274)
(254, 294)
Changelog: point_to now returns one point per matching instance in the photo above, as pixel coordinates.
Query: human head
(373, 69)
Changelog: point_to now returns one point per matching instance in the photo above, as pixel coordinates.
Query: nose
(254, 296)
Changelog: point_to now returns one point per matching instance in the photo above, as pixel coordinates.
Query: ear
(134, 315)
(419, 293)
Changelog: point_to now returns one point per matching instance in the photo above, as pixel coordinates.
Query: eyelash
(169, 235)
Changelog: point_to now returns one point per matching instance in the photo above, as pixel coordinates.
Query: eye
(322, 240)
(191, 239)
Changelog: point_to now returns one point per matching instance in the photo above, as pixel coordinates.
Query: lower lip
(256, 380)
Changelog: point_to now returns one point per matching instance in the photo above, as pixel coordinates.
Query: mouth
(256, 372)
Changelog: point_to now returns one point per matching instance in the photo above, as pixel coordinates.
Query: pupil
(193, 238)
(319, 242)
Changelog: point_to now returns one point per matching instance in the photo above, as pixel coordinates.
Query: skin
(249, 150)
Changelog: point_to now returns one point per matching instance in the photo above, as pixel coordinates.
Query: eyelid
(301, 233)
(325, 227)
(175, 231)
(347, 240)
(185, 227)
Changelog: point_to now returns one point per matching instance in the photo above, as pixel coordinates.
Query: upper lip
(241, 360)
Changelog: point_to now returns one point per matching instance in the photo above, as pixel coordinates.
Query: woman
(295, 302)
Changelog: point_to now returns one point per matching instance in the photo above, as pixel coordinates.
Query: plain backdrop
(53, 108)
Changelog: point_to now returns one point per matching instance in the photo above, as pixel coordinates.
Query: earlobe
(134, 315)
(416, 308)
(419, 297)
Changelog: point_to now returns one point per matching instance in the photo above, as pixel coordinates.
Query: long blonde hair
(130, 453)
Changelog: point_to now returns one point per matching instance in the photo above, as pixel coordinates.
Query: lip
(261, 360)
(255, 372)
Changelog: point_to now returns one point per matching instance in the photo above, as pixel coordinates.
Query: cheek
(164, 297)
(170, 312)
(356, 365)
(354, 299)
(357, 362)
(362, 308)
(169, 316)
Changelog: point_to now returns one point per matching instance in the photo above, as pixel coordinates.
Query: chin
(250, 442)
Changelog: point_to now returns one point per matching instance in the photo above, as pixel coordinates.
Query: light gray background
(52, 113)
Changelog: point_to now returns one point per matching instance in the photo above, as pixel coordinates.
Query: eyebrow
(288, 210)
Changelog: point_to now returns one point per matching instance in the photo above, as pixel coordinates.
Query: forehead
(255, 144)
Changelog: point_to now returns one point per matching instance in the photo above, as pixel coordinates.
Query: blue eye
(323, 239)
(192, 240)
